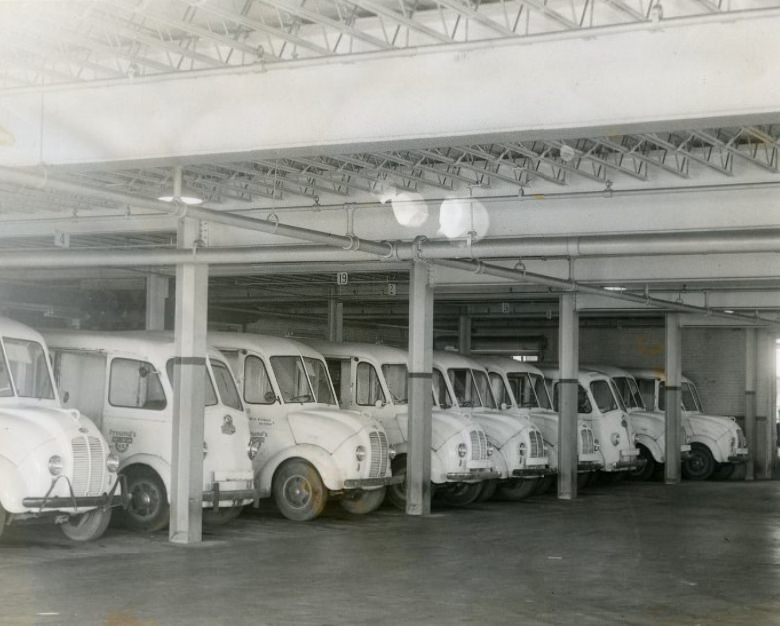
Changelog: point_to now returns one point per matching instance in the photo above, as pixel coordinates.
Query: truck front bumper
(472, 476)
(369, 483)
(50, 503)
(742, 456)
(533, 472)
(589, 466)
(236, 497)
(629, 460)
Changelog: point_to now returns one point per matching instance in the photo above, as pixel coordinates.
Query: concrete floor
(691, 554)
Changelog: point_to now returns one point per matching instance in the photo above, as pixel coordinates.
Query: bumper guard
(104, 500)
(366, 483)
(472, 476)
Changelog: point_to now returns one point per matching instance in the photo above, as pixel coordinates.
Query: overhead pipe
(388, 250)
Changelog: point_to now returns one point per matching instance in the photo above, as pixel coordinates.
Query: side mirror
(504, 406)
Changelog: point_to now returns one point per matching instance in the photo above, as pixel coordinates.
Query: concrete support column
(156, 297)
(189, 394)
(751, 380)
(464, 334)
(418, 460)
(673, 398)
(335, 319)
(766, 436)
(568, 359)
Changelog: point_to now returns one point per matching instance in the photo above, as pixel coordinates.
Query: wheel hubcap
(144, 500)
(297, 491)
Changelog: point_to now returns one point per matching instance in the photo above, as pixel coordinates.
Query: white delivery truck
(718, 444)
(649, 426)
(519, 388)
(124, 380)
(599, 403)
(53, 461)
(373, 379)
(311, 450)
(520, 456)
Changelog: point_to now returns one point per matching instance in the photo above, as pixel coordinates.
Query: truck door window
(690, 399)
(136, 385)
(6, 391)
(647, 391)
(464, 388)
(81, 379)
(500, 391)
(602, 394)
(211, 395)
(369, 389)
(523, 390)
(440, 391)
(257, 384)
(662, 396)
(396, 377)
(540, 390)
(320, 382)
(225, 385)
(583, 402)
(482, 386)
(29, 369)
(292, 378)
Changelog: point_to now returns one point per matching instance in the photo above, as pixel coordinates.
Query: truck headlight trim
(615, 439)
(112, 463)
(360, 453)
(253, 447)
(462, 450)
(56, 465)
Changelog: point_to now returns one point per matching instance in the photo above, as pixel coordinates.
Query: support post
(464, 334)
(766, 435)
(751, 379)
(189, 395)
(568, 359)
(673, 398)
(335, 319)
(156, 297)
(418, 460)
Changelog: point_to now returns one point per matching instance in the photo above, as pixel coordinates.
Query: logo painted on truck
(228, 427)
(121, 439)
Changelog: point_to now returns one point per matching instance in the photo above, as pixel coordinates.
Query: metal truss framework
(83, 40)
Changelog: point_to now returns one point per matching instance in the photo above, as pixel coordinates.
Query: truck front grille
(586, 437)
(537, 444)
(378, 442)
(478, 445)
(89, 468)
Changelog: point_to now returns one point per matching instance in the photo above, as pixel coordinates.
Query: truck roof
(446, 360)
(265, 345)
(368, 351)
(585, 377)
(146, 343)
(657, 373)
(610, 370)
(507, 365)
(17, 330)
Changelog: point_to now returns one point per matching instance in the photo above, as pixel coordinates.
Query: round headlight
(205, 449)
(596, 445)
(360, 453)
(391, 453)
(462, 450)
(56, 465)
(112, 463)
(253, 447)
(521, 449)
(490, 449)
(615, 438)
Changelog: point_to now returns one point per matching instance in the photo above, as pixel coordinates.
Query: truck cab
(600, 405)
(124, 380)
(311, 450)
(519, 455)
(718, 444)
(519, 388)
(53, 461)
(373, 379)
(649, 426)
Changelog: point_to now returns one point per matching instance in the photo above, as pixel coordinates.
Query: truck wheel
(299, 491)
(700, 464)
(723, 471)
(87, 526)
(221, 516)
(647, 470)
(518, 489)
(488, 490)
(364, 502)
(545, 484)
(461, 494)
(3, 519)
(396, 494)
(147, 509)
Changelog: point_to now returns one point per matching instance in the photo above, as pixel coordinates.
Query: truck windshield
(292, 378)
(629, 392)
(210, 395)
(320, 382)
(6, 391)
(465, 388)
(523, 389)
(28, 369)
(225, 385)
(396, 377)
(690, 398)
(616, 393)
(542, 393)
(441, 393)
(483, 387)
(500, 391)
(602, 394)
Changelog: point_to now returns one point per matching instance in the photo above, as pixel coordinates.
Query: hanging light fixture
(180, 193)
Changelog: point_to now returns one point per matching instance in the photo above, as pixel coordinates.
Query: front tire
(299, 491)
(518, 489)
(723, 471)
(364, 502)
(461, 494)
(700, 465)
(488, 490)
(545, 484)
(87, 526)
(148, 509)
(221, 516)
(647, 471)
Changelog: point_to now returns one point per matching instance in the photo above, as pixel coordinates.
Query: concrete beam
(457, 94)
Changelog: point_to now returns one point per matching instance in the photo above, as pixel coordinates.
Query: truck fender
(498, 461)
(11, 487)
(321, 459)
(713, 446)
(652, 447)
(158, 464)
(438, 471)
